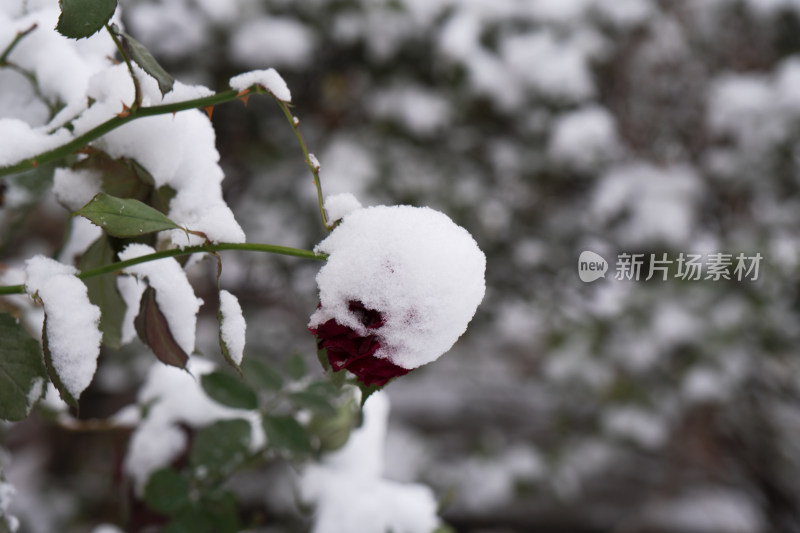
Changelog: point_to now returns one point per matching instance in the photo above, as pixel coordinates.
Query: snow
(584, 138)
(74, 188)
(268, 79)
(643, 427)
(422, 111)
(275, 41)
(232, 325)
(414, 265)
(7, 491)
(174, 293)
(650, 195)
(35, 392)
(311, 157)
(350, 493)
(177, 150)
(73, 334)
(175, 397)
(554, 68)
(707, 511)
(21, 141)
(339, 205)
(131, 290)
(106, 528)
(82, 234)
(349, 167)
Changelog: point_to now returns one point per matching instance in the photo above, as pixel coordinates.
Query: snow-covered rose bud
(399, 287)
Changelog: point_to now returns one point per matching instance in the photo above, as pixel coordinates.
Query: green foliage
(124, 217)
(166, 492)
(316, 402)
(83, 18)
(219, 448)
(296, 366)
(103, 290)
(20, 367)
(214, 512)
(170, 493)
(229, 390)
(332, 431)
(261, 375)
(153, 329)
(123, 178)
(138, 53)
(285, 433)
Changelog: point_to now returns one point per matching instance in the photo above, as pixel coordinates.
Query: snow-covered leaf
(124, 217)
(103, 291)
(83, 18)
(21, 369)
(63, 391)
(229, 390)
(232, 328)
(153, 329)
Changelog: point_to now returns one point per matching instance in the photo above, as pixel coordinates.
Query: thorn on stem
(126, 111)
(209, 110)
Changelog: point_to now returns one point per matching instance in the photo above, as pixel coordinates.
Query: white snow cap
(233, 327)
(269, 79)
(415, 266)
(73, 334)
(339, 205)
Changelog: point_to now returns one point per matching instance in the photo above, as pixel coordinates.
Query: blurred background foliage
(545, 127)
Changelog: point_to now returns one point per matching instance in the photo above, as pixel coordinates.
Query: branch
(17, 38)
(313, 165)
(176, 252)
(117, 121)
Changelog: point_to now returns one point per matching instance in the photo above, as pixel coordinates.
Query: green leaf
(296, 366)
(366, 391)
(285, 433)
(82, 18)
(337, 378)
(124, 217)
(261, 375)
(153, 329)
(215, 513)
(229, 390)
(145, 59)
(103, 291)
(334, 431)
(166, 492)
(51, 371)
(20, 368)
(312, 401)
(123, 178)
(219, 448)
